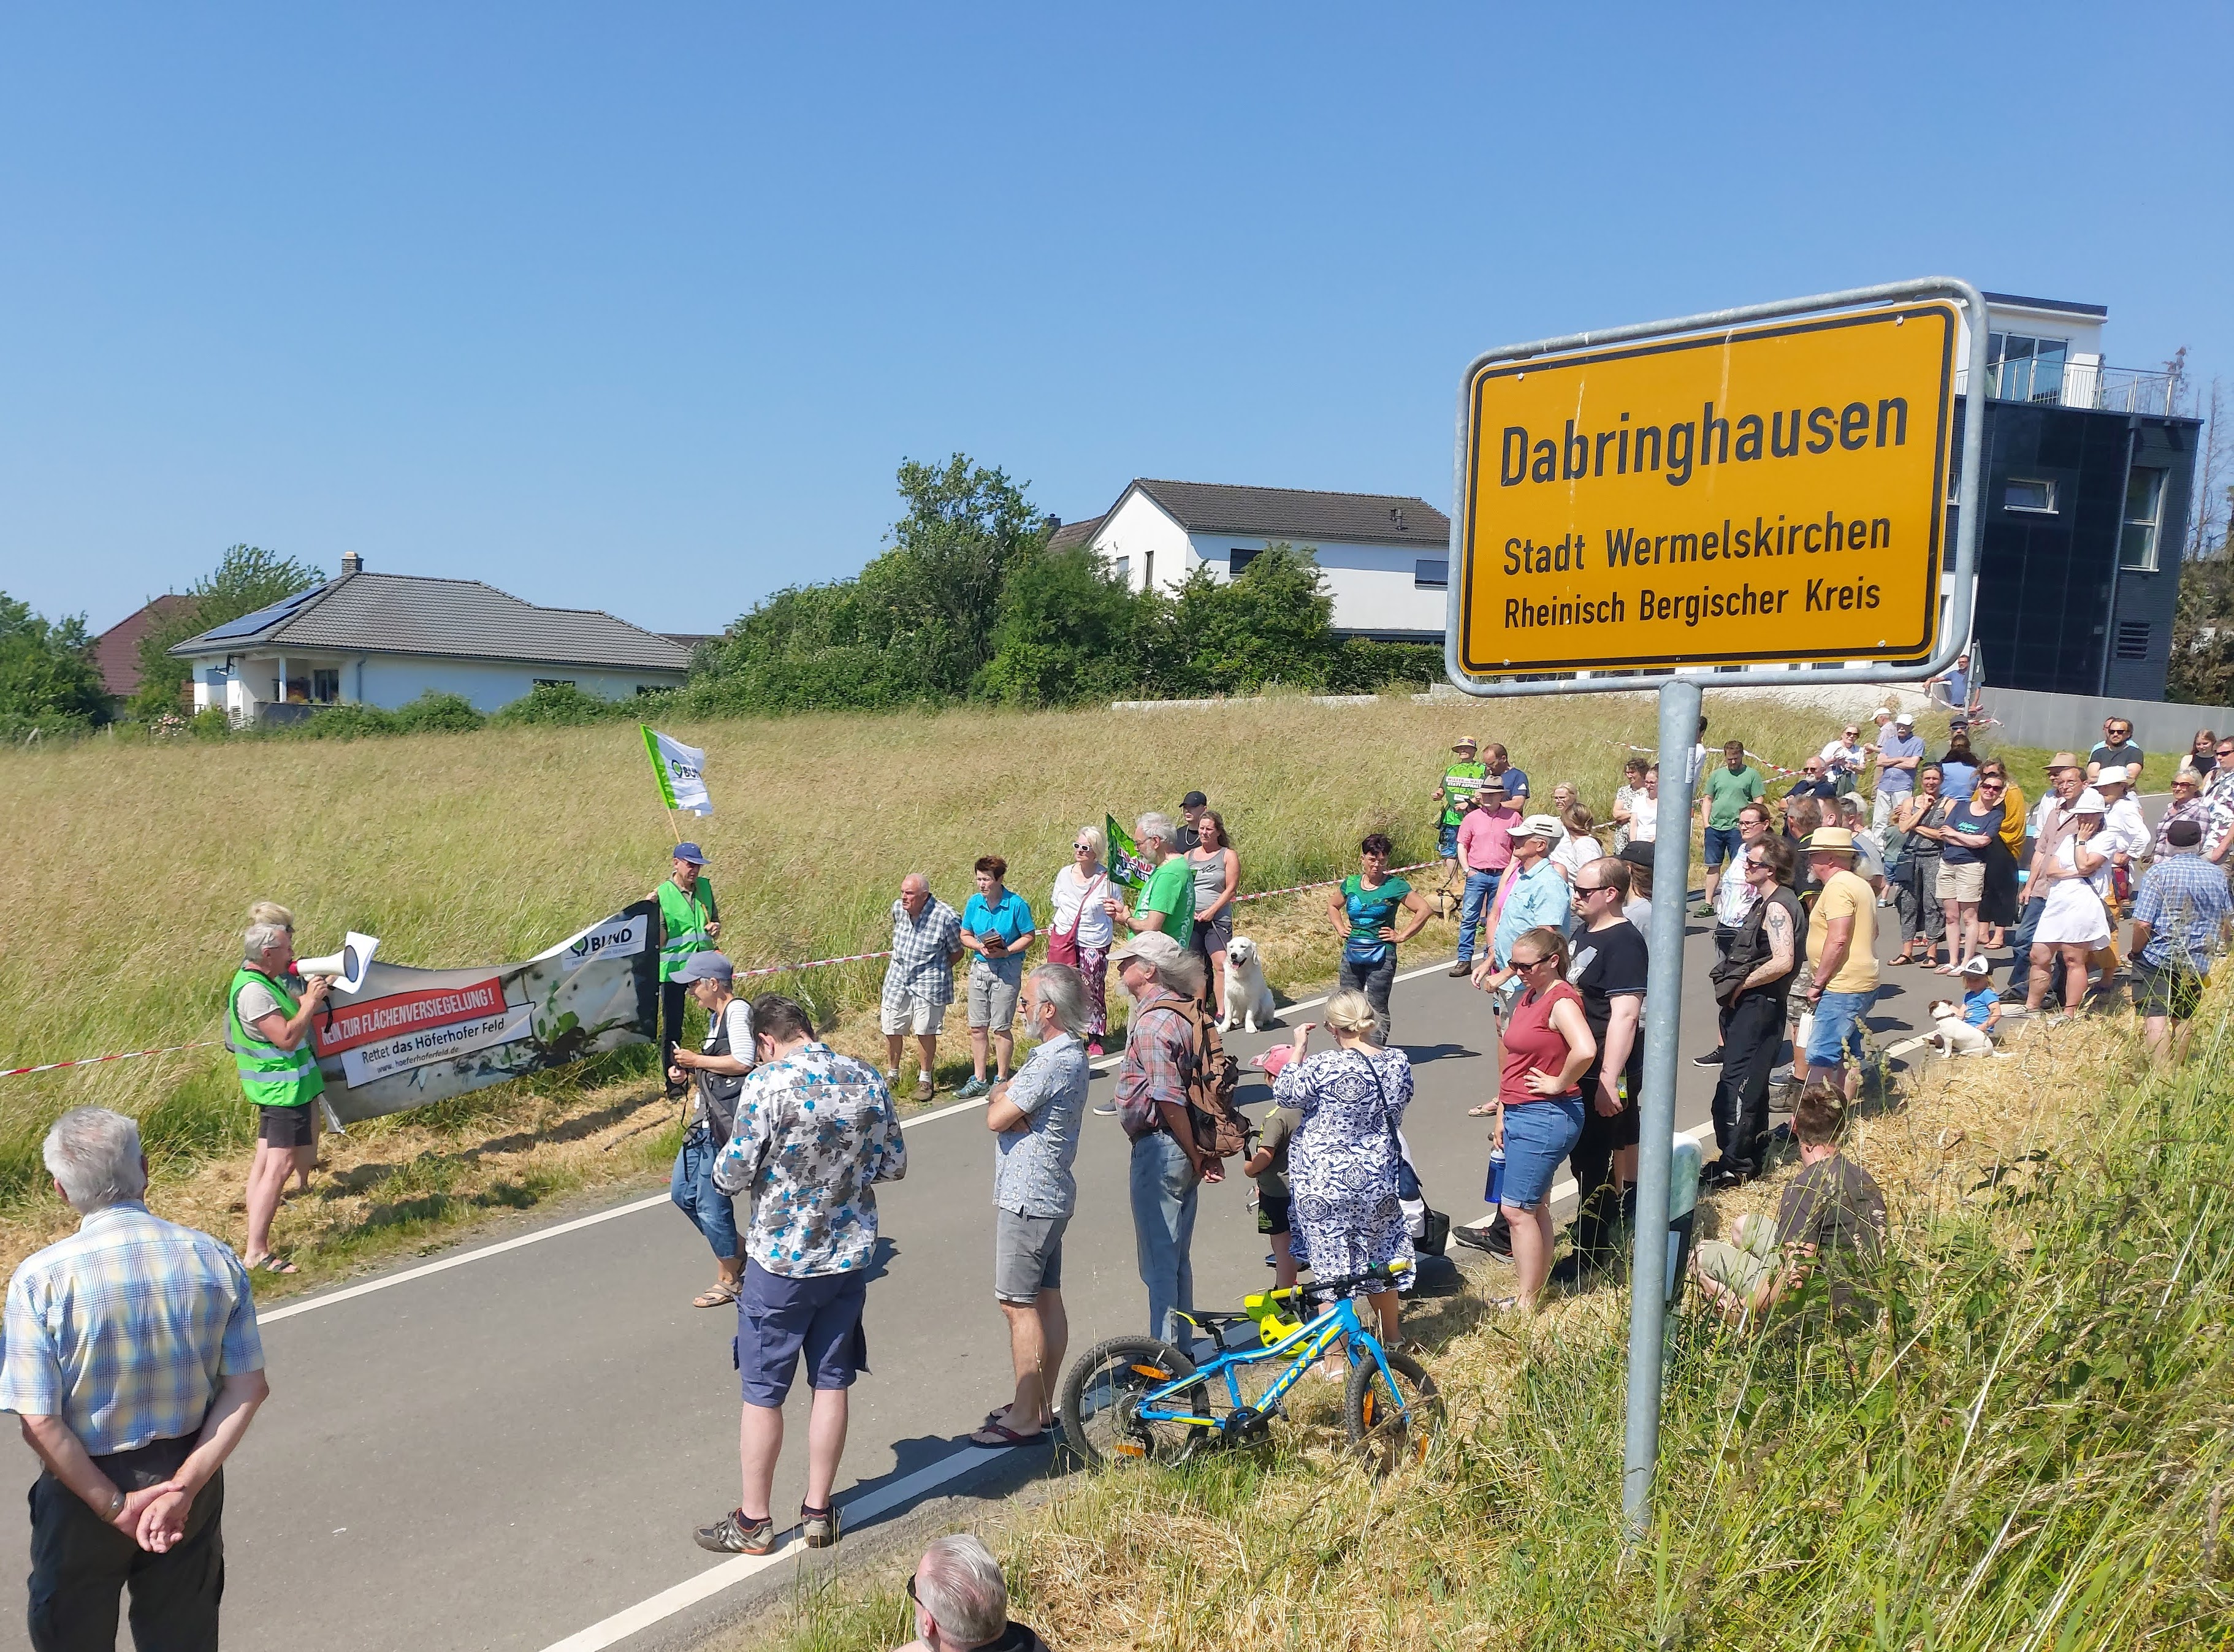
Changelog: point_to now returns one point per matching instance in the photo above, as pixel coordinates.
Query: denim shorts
(779, 1318)
(1723, 843)
(1539, 1136)
(1837, 1027)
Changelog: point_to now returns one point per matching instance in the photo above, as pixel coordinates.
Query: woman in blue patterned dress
(1342, 1159)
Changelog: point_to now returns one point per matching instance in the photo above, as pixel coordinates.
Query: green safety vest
(1461, 777)
(270, 1076)
(685, 919)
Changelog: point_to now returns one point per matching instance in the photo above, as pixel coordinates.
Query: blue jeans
(1838, 1028)
(1163, 1230)
(692, 1189)
(2020, 941)
(1481, 891)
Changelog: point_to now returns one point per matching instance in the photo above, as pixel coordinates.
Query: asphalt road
(509, 1451)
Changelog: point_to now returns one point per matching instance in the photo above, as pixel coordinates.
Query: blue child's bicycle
(1137, 1398)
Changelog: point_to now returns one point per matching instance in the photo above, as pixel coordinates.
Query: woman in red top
(1548, 1047)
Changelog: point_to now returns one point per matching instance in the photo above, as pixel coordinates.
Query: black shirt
(1825, 788)
(1609, 963)
(1017, 1637)
(2128, 753)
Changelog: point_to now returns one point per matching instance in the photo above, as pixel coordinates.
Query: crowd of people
(131, 1352)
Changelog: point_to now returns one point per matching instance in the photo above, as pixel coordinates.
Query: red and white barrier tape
(122, 1056)
(768, 969)
(1777, 769)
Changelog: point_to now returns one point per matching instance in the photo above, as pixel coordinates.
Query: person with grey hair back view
(961, 1602)
(131, 1356)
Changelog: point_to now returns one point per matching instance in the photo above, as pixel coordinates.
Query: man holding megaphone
(268, 1031)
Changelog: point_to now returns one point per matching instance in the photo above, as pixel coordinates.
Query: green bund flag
(1126, 868)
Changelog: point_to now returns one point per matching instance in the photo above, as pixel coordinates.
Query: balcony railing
(2084, 381)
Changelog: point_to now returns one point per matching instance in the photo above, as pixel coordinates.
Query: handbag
(1062, 944)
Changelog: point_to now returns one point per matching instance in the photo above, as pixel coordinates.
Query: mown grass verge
(2029, 1448)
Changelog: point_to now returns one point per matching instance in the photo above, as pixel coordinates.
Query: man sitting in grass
(1831, 1215)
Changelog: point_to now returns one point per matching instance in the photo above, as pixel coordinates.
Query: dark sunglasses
(1529, 964)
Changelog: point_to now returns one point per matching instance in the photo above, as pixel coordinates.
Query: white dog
(1248, 1000)
(1951, 1035)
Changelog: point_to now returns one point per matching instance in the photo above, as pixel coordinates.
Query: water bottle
(1496, 1176)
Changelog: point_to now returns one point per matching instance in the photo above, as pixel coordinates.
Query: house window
(2136, 547)
(2134, 639)
(326, 687)
(1148, 571)
(1238, 560)
(1431, 574)
(554, 682)
(2019, 368)
(2028, 494)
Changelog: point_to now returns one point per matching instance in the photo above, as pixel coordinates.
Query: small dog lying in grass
(1248, 999)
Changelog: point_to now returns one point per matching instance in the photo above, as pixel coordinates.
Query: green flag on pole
(1126, 867)
(681, 770)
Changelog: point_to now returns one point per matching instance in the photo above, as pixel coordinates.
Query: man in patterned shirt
(816, 1131)
(2180, 921)
(131, 1355)
(919, 980)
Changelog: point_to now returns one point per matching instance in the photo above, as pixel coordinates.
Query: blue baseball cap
(691, 853)
(705, 966)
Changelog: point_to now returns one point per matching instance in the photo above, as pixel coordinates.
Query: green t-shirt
(1455, 779)
(1727, 793)
(1170, 890)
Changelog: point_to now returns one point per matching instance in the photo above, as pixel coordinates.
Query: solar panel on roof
(263, 619)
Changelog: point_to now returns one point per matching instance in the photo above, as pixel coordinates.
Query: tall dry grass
(131, 865)
(2032, 1447)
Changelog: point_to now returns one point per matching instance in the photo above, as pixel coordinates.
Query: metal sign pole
(1663, 1006)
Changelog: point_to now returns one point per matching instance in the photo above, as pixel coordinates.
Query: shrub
(555, 705)
(435, 712)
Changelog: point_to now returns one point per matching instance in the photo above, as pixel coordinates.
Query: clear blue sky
(638, 308)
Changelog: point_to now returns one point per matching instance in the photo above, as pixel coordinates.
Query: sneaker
(733, 1534)
(1712, 1058)
(891, 1078)
(820, 1527)
(2013, 995)
(1464, 966)
(1106, 1109)
(971, 1091)
(1497, 1240)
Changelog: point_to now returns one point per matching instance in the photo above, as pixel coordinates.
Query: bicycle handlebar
(1386, 1273)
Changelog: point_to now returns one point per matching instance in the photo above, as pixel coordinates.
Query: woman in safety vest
(268, 1029)
(689, 921)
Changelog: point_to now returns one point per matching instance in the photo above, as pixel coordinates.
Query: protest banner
(412, 1036)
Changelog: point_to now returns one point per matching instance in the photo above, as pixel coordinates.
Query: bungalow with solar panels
(384, 639)
(1385, 557)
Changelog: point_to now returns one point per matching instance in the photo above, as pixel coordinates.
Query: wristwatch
(117, 1507)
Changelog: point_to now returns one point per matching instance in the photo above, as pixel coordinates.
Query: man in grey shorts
(1035, 1117)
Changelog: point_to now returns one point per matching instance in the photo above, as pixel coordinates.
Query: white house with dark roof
(1386, 555)
(384, 639)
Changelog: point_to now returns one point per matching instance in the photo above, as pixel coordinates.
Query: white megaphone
(346, 966)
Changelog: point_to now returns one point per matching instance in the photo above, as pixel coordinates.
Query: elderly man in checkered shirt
(919, 980)
(130, 1354)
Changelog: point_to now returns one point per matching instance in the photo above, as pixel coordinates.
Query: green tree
(48, 678)
(1065, 634)
(1273, 624)
(246, 578)
(2202, 669)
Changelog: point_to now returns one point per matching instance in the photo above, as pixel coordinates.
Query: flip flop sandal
(271, 1262)
(714, 1296)
(1483, 1111)
(1003, 1436)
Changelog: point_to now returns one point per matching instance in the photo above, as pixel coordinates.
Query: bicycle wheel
(1386, 1434)
(1101, 1396)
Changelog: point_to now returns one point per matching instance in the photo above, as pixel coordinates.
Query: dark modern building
(2085, 489)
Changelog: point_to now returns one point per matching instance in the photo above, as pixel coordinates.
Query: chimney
(1049, 524)
(351, 563)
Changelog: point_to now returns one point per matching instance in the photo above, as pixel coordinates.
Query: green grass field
(133, 864)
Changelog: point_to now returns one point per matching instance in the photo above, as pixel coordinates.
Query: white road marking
(288, 1310)
(706, 1585)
